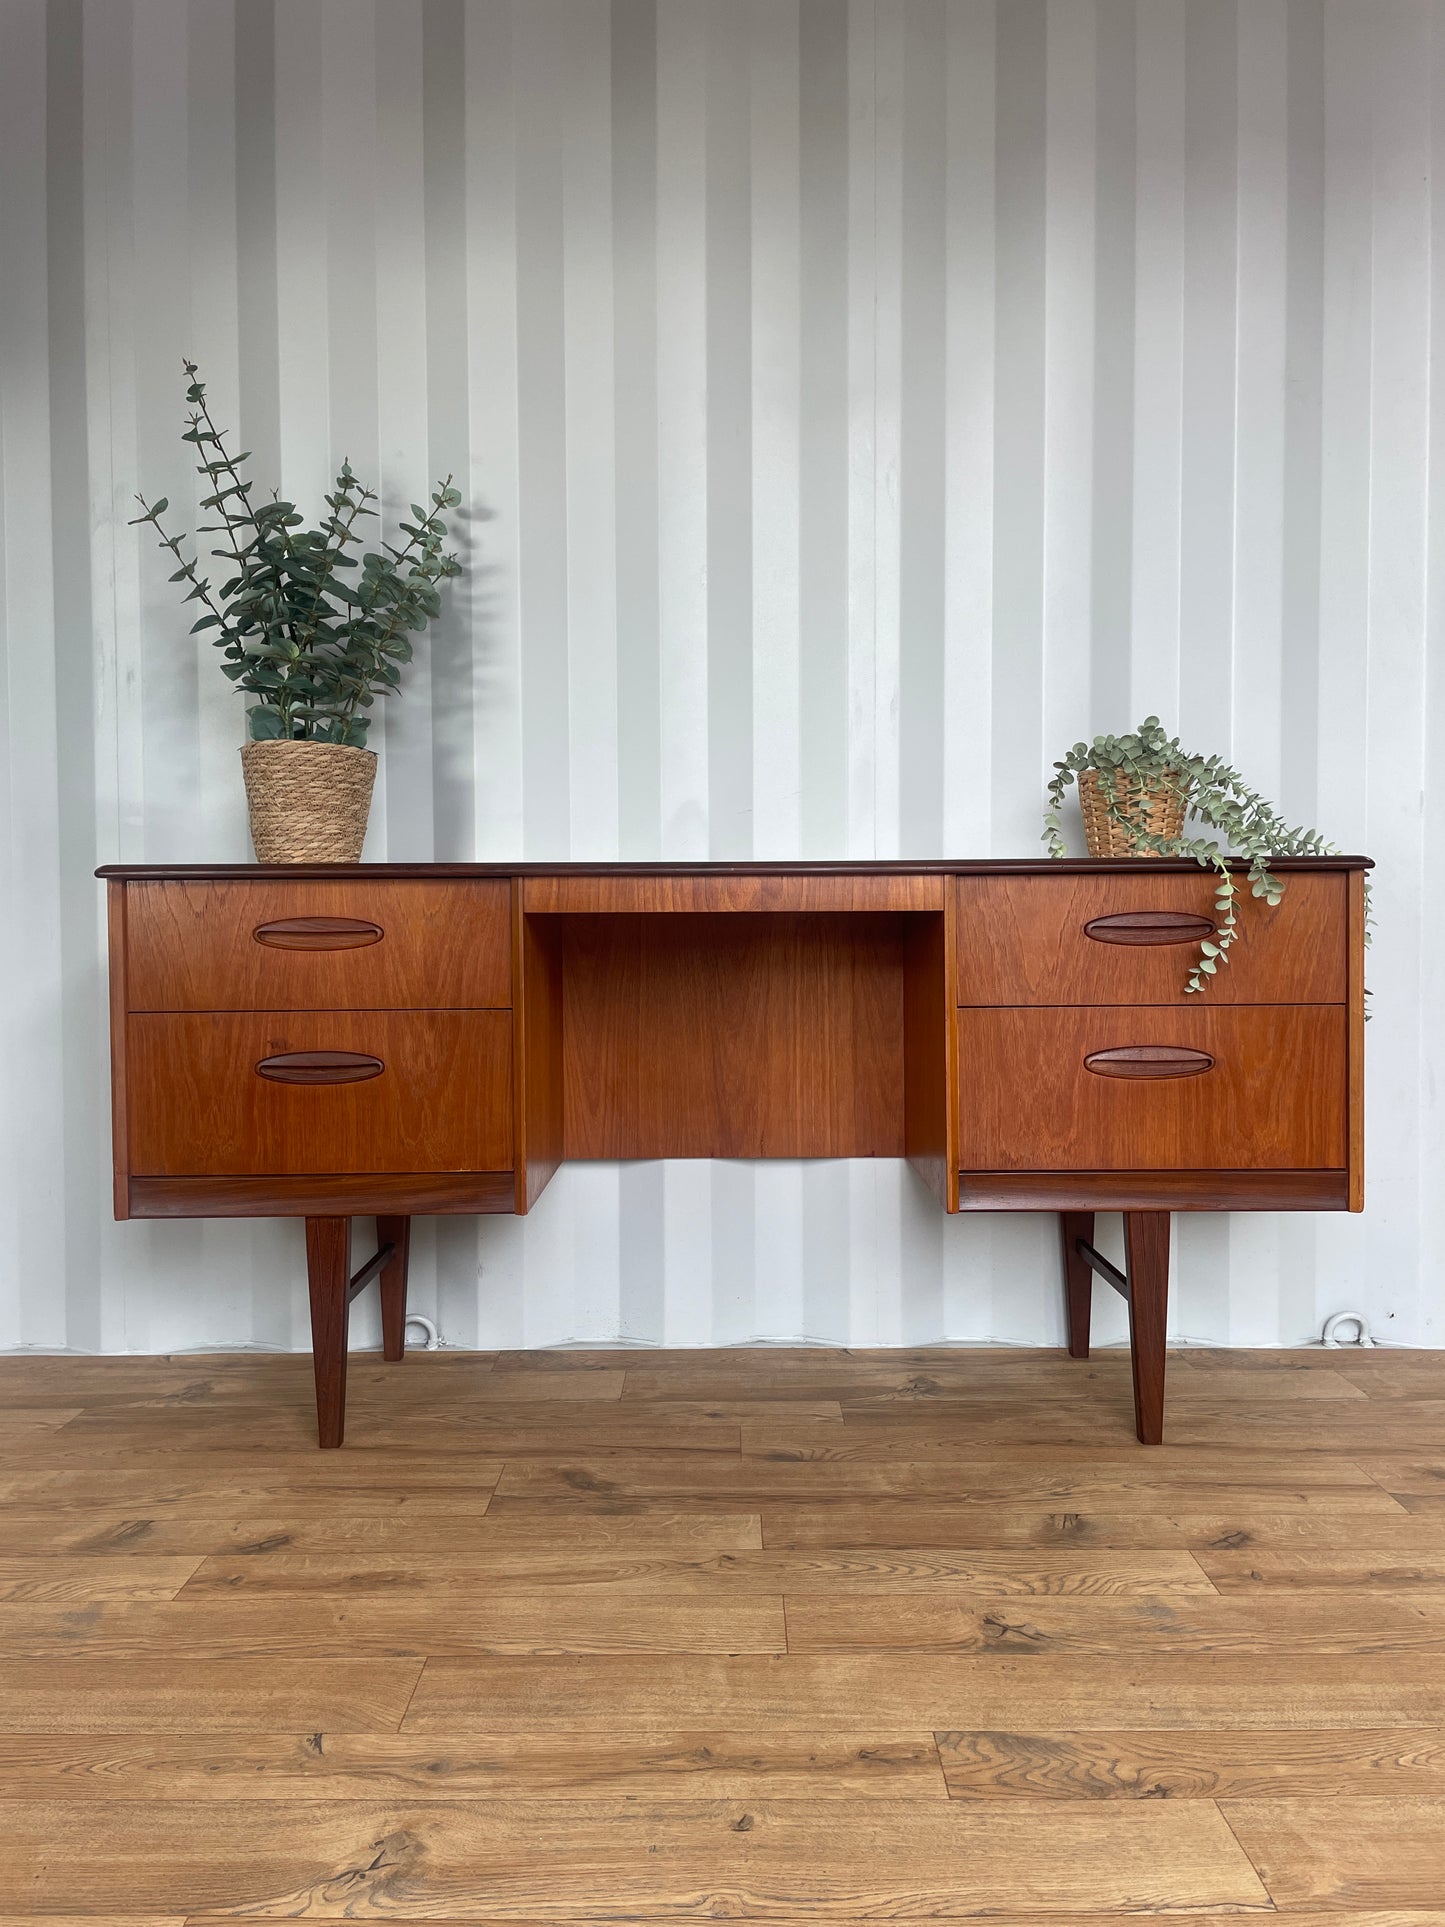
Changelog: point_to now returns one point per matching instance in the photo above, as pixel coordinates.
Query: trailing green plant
(1151, 761)
(314, 649)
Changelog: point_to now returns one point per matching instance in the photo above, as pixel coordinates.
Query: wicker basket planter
(1159, 812)
(308, 801)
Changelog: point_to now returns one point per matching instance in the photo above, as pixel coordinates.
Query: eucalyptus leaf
(310, 647)
(1154, 761)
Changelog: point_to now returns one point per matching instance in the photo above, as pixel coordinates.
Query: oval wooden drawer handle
(318, 933)
(1149, 1060)
(320, 1067)
(1137, 927)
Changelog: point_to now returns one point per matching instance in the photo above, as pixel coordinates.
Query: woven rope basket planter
(1159, 812)
(309, 801)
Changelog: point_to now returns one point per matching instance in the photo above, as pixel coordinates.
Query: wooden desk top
(882, 866)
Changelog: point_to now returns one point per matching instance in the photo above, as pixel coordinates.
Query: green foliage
(1152, 761)
(313, 648)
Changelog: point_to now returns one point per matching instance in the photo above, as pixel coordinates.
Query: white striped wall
(854, 402)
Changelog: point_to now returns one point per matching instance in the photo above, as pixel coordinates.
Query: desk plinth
(399, 1040)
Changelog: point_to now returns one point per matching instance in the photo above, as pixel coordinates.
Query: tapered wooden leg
(328, 1271)
(1078, 1279)
(397, 1233)
(1146, 1245)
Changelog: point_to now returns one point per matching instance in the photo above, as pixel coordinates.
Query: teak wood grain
(117, 896)
(1025, 941)
(197, 1106)
(330, 1041)
(1274, 1100)
(742, 1036)
(537, 1044)
(1356, 1074)
(192, 946)
(727, 871)
(930, 1055)
(1181, 1190)
(1146, 1253)
(880, 888)
(328, 1266)
(420, 1194)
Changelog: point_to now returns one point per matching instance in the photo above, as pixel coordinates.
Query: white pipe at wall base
(433, 1342)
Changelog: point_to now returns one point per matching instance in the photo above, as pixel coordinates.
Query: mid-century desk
(394, 1040)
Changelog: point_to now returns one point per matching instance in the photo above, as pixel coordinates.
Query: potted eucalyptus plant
(312, 648)
(1135, 793)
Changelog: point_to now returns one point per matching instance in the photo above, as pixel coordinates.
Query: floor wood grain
(791, 1635)
(627, 1858)
(763, 1764)
(559, 1621)
(1140, 1764)
(1345, 1852)
(1010, 1917)
(622, 1692)
(473, 1571)
(89, 1920)
(1308, 1625)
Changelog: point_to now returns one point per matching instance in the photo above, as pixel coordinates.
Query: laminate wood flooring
(791, 1635)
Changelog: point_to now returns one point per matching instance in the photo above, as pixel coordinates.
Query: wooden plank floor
(797, 1636)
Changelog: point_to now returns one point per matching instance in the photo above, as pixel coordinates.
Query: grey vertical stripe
(538, 28)
(1304, 347)
(921, 444)
(855, 401)
(75, 712)
(440, 743)
(1018, 451)
(1210, 338)
(823, 502)
(260, 387)
(1114, 320)
(728, 324)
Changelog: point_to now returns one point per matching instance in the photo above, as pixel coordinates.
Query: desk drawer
(1118, 1089)
(1132, 938)
(277, 1093)
(368, 944)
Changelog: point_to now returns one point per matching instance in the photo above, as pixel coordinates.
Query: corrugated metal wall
(855, 401)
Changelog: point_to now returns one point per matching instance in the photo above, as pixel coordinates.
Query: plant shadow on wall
(313, 648)
(1136, 793)
(473, 674)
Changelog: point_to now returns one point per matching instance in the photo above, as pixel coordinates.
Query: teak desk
(391, 1040)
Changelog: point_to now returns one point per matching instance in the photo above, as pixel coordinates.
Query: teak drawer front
(199, 1107)
(686, 894)
(309, 945)
(1080, 940)
(1272, 1098)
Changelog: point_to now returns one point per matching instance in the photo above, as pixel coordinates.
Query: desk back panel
(738, 1036)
